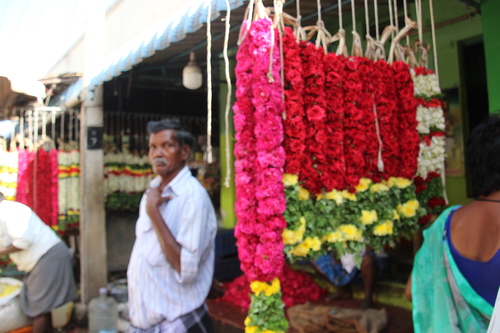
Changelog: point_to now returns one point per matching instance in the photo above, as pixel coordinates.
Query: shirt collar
(175, 184)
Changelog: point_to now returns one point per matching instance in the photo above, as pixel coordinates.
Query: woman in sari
(456, 272)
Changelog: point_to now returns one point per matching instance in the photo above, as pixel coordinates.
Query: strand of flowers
(408, 136)
(431, 126)
(68, 190)
(8, 173)
(25, 177)
(334, 174)
(259, 168)
(315, 116)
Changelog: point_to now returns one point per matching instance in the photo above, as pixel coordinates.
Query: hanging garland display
(431, 126)
(126, 178)
(259, 170)
(46, 180)
(353, 185)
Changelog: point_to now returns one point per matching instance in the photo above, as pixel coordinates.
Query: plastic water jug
(103, 314)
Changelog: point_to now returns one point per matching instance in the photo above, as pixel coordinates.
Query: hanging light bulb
(191, 74)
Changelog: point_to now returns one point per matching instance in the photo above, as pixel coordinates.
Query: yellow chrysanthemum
(313, 243)
(350, 232)
(250, 329)
(376, 188)
(364, 184)
(247, 321)
(300, 250)
(334, 236)
(320, 196)
(303, 221)
(368, 217)
(348, 195)
(289, 179)
(257, 287)
(409, 208)
(336, 196)
(395, 215)
(273, 288)
(399, 182)
(383, 229)
(303, 193)
(292, 237)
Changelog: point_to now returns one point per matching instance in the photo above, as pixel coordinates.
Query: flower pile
(431, 126)
(260, 159)
(296, 288)
(352, 148)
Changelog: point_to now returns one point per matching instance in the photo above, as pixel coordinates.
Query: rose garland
(260, 159)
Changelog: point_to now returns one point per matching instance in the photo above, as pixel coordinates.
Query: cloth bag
(10, 308)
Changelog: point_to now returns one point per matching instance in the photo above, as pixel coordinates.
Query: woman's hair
(182, 134)
(483, 156)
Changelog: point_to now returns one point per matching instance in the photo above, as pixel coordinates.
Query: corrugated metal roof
(172, 29)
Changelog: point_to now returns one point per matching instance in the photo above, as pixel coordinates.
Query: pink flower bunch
(260, 157)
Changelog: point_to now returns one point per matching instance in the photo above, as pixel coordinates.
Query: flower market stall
(334, 152)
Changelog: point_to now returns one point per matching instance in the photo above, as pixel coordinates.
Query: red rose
(316, 113)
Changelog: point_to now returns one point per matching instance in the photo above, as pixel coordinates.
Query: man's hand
(154, 200)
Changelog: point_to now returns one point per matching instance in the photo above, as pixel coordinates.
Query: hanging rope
(375, 5)
(228, 96)
(396, 50)
(357, 47)
(405, 8)
(209, 83)
(370, 42)
(391, 17)
(433, 29)
(342, 48)
(247, 20)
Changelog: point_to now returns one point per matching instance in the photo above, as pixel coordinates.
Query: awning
(172, 29)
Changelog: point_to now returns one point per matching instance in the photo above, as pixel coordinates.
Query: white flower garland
(428, 118)
(425, 85)
(431, 157)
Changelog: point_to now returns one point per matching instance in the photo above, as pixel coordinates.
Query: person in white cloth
(172, 262)
(36, 250)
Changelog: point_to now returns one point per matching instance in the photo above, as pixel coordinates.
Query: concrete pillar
(490, 11)
(93, 250)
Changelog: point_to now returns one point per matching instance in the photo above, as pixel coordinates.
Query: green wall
(490, 10)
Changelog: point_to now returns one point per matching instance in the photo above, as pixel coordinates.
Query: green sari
(443, 300)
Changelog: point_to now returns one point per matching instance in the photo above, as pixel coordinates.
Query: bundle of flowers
(25, 189)
(431, 126)
(68, 190)
(8, 173)
(296, 288)
(46, 182)
(260, 159)
(377, 214)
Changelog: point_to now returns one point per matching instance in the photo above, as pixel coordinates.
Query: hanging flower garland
(260, 159)
(25, 177)
(431, 126)
(68, 190)
(8, 173)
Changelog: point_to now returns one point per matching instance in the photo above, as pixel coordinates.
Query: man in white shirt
(36, 249)
(171, 266)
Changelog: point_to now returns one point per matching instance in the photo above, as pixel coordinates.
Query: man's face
(166, 155)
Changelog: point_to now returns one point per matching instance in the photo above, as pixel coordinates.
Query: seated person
(342, 273)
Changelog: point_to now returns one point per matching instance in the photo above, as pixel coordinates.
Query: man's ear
(186, 151)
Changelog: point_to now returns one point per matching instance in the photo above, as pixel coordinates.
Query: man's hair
(2, 197)
(182, 135)
(483, 156)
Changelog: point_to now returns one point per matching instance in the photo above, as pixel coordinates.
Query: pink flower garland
(260, 158)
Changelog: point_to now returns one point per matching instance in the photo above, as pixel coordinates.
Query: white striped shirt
(156, 291)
